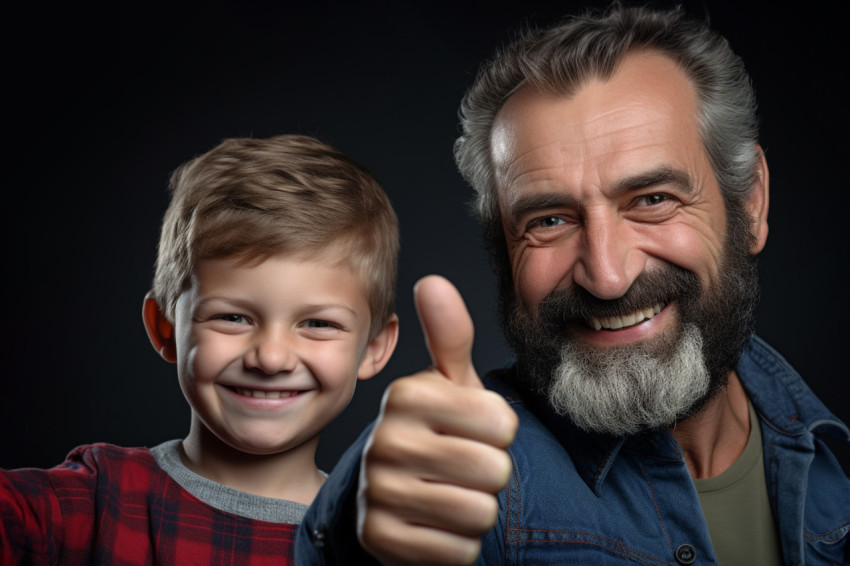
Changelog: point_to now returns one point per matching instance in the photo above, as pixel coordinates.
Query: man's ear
(379, 350)
(757, 203)
(159, 328)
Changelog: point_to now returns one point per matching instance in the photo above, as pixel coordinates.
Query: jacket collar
(781, 397)
(776, 390)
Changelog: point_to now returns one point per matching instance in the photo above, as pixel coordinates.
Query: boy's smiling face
(268, 354)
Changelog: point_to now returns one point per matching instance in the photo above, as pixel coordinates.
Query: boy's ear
(757, 203)
(379, 350)
(159, 328)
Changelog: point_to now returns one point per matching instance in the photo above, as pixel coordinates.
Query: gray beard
(621, 391)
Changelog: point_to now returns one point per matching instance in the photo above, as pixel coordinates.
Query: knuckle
(500, 472)
(479, 513)
(389, 445)
(469, 552)
(504, 421)
(380, 491)
(504, 469)
(376, 533)
(406, 392)
(488, 513)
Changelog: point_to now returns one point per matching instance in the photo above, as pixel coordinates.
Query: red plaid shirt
(114, 506)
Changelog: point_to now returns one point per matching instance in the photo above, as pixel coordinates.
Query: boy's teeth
(617, 322)
(264, 394)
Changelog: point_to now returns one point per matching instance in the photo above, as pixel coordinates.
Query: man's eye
(549, 221)
(544, 229)
(651, 200)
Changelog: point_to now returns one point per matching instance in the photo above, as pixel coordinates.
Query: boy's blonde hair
(254, 198)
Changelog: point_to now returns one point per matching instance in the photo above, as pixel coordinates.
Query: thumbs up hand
(437, 455)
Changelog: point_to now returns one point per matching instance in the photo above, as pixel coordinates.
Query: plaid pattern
(114, 506)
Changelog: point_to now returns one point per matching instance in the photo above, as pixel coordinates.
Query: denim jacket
(579, 498)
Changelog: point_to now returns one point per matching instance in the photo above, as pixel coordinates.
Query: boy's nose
(271, 353)
(608, 259)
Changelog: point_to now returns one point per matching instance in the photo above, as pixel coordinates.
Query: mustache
(659, 286)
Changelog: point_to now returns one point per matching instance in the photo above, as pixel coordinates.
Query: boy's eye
(234, 318)
(320, 324)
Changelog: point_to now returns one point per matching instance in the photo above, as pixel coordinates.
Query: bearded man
(624, 196)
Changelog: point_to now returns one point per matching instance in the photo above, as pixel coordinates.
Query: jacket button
(686, 554)
(320, 535)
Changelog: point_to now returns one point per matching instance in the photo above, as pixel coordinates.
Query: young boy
(273, 294)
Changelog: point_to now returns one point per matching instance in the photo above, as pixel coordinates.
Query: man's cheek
(539, 275)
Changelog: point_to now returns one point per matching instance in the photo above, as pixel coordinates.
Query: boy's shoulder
(89, 462)
(102, 457)
(90, 475)
(57, 510)
(119, 504)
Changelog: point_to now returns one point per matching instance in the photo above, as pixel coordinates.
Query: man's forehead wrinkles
(570, 156)
(534, 185)
(541, 155)
(537, 165)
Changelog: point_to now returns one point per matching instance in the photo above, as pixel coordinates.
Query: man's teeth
(265, 394)
(617, 322)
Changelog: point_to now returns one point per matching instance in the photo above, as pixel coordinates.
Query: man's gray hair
(565, 57)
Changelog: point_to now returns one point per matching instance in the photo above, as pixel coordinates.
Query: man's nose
(609, 258)
(272, 352)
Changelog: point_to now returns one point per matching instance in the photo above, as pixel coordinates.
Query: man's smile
(618, 322)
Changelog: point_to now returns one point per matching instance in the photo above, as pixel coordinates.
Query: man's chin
(627, 389)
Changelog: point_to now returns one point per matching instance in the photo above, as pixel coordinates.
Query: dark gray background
(104, 104)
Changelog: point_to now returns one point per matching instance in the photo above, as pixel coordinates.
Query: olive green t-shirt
(737, 508)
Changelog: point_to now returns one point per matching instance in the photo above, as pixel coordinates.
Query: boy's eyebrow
(247, 304)
(325, 306)
(204, 299)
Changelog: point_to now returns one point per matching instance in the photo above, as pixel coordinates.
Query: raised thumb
(448, 329)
